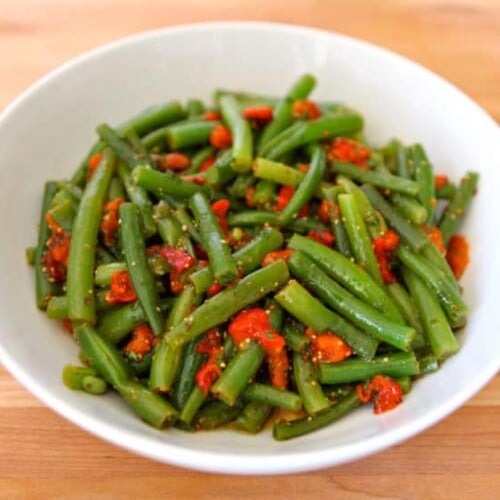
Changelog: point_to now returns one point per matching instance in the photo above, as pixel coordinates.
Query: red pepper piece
(258, 113)
(220, 137)
(141, 342)
(305, 109)
(327, 210)
(350, 151)
(109, 222)
(93, 162)
(458, 254)
(271, 257)
(434, 234)
(193, 178)
(177, 162)
(121, 289)
(55, 258)
(179, 260)
(211, 116)
(220, 209)
(208, 163)
(278, 365)
(384, 247)
(440, 181)
(323, 236)
(327, 347)
(210, 370)
(387, 392)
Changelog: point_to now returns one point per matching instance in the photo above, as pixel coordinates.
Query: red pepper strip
(141, 342)
(327, 210)
(323, 236)
(220, 209)
(285, 194)
(93, 162)
(458, 254)
(271, 257)
(327, 347)
(121, 289)
(208, 163)
(278, 365)
(109, 222)
(177, 162)
(305, 109)
(434, 234)
(55, 258)
(440, 181)
(211, 116)
(179, 262)
(254, 325)
(220, 137)
(258, 113)
(383, 247)
(348, 150)
(388, 393)
(210, 370)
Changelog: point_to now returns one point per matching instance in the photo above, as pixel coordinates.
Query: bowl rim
(231, 463)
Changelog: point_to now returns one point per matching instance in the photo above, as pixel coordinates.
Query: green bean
(277, 172)
(294, 336)
(140, 274)
(253, 416)
(306, 380)
(215, 414)
(406, 229)
(131, 136)
(221, 171)
(285, 135)
(356, 370)
(187, 224)
(402, 167)
(245, 98)
(94, 385)
(446, 192)
(44, 288)
(199, 158)
(422, 172)
(454, 212)
(358, 236)
(310, 311)
(228, 302)
(437, 259)
(64, 214)
(237, 374)
(436, 328)
(163, 183)
(280, 398)
(242, 149)
(79, 176)
(447, 294)
(298, 427)
(116, 189)
(195, 107)
(360, 313)
(222, 263)
(30, 253)
(428, 363)
(306, 188)
(265, 193)
(140, 197)
(410, 208)
(405, 383)
(189, 133)
(252, 218)
(104, 272)
(80, 278)
(379, 179)
(157, 139)
(282, 113)
(73, 376)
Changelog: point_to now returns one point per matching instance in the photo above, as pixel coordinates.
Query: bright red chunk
(349, 151)
(386, 391)
(121, 289)
(109, 222)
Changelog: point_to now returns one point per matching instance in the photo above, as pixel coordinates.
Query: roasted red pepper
(434, 234)
(458, 254)
(141, 343)
(271, 257)
(220, 209)
(210, 370)
(109, 222)
(93, 162)
(387, 392)
(261, 114)
(440, 181)
(323, 236)
(220, 137)
(177, 162)
(208, 163)
(384, 247)
(305, 109)
(327, 347)
(349, 151)
(211, 116)
(121, 289)
(285, 194)
(327, 210)
(55, 258)
(179, 261)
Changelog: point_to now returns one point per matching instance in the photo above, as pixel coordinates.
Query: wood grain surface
(44, 456)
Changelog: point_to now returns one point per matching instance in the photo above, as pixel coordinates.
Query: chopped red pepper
(193, 178)
(249, 196)
(67, 325)
(285, 194)
(208, 163)
(327, 347)
(350, 151)
(210, 370)
(214, 289)
(384, 247)
(220, 137)
(211, 116)
(177, 162)
(305, 109)
(141, 342)
(254, 325)
(261, 114)
(271, 257)
(323, 236)
(92, 164)
(220, 209)
(458, 254)
(179, 261)
(278, 365)
(434, 234)
(303, 167)
(55, 257)
(109, 222)
(327, 210)
(121, 289)
(440, 181)
(388, 393)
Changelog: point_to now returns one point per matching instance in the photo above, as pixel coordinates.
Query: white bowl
(47, 130)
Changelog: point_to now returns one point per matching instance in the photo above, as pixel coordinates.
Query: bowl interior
(46, 132)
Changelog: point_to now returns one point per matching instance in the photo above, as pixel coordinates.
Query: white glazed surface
(46, 131)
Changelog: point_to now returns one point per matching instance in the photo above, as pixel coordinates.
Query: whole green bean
(423, 174)
(80, 278)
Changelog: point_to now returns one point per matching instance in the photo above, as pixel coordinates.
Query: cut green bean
(215, 414)
(73, 376)
(193, 403)
(189, 133)
(294, 337)
(422, 172)
(279, 398)
(253, 416)
(94, 385)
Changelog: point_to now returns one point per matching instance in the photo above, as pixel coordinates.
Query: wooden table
(43, 456)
